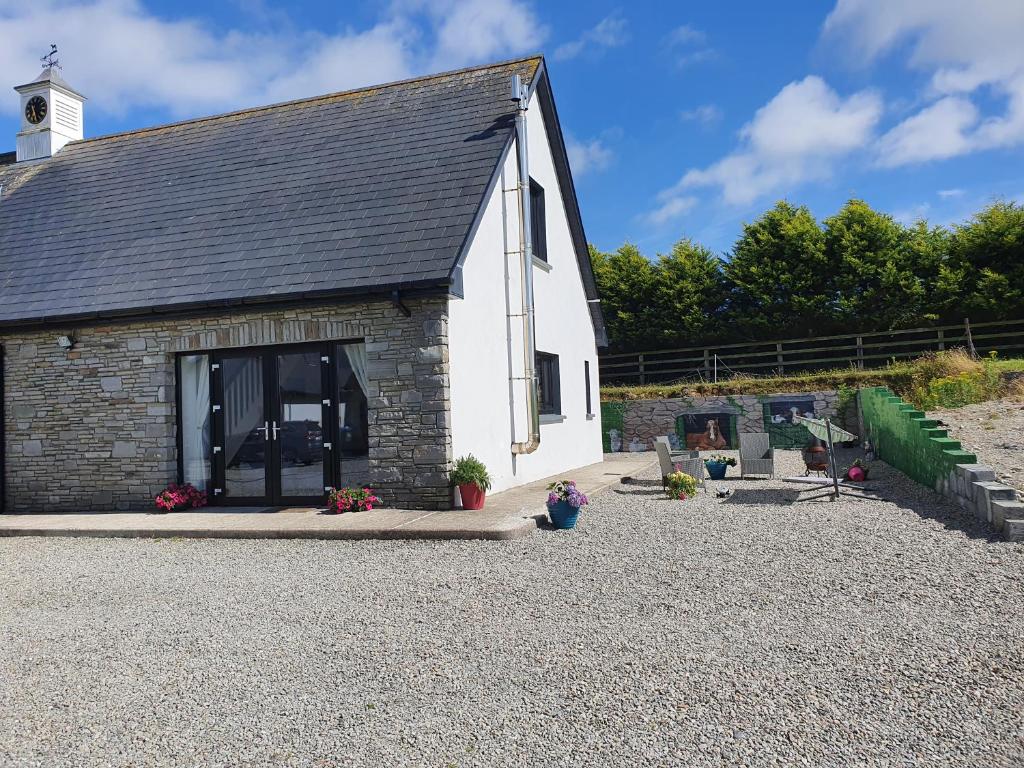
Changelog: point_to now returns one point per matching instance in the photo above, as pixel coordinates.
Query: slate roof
(50, 75)
(353, 193)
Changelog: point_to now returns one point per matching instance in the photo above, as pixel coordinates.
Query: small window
(586, 385)
(549, 388)
(538, 224)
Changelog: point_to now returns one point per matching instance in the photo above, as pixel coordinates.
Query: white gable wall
(485, 345)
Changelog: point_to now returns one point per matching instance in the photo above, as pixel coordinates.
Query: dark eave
(556, 141)
(405, 291)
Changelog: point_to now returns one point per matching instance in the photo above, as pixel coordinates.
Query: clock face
(35, 110)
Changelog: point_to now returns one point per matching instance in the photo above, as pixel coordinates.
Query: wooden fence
(859, 350)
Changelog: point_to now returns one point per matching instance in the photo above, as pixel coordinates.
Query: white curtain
(356, 354)
(195, 419)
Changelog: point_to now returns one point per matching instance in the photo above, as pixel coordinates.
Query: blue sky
(684, 118)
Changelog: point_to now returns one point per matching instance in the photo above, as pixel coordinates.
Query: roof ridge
(539, 57)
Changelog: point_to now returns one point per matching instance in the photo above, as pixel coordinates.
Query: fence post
(860, 353)
(942, 340)
(778, 358)
(707, 364)
(970, 342)
(640, 362)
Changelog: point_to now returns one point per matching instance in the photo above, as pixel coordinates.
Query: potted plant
(564, 502)
(717, 464)
(175, 497)
(470, 476)
(680, 485)
(343, 500)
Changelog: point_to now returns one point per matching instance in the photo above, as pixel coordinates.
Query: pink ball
(856, 474)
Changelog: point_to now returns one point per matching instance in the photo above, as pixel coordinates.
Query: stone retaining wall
(647, 419)
(93, 429)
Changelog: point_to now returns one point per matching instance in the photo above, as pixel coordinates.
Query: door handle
(275, 429)
(265, 429)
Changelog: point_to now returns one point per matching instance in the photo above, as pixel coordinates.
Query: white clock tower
(51, 115)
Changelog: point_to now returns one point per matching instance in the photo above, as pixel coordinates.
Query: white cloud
(472, 31)
(936, 132)
(796, 137)
(947, 194)
(587, 156)
(123, 56)
(610, 32)
(689, 46)
(969, 49)
(671, 206)
(910, 216)
(686, 35)
(705, 114)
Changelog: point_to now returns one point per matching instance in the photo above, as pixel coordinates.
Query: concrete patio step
(511, 514)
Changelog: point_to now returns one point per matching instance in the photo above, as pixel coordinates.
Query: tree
(782, 283)
(886, 274)
(987, 253)
(627, 284)
(789, 276)
(690, 293)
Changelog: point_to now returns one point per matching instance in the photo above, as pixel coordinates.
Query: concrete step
(1013, 530)
(988, 493)
(1002, 511)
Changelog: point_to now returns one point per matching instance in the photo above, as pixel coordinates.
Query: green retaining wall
(906, 439)
(611, 418)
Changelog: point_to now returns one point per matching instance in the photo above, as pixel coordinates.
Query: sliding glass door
(274, 425)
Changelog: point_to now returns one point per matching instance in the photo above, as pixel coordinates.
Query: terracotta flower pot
(472, 496)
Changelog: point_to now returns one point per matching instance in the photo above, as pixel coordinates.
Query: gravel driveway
(741, 632)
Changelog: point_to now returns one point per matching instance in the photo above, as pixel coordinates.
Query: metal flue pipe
(521, 95)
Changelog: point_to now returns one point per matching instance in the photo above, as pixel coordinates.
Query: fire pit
(816, 459)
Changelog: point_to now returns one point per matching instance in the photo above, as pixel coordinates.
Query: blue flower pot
(563, 514)
(716, 469)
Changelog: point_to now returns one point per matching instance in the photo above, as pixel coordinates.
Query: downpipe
(521, 95)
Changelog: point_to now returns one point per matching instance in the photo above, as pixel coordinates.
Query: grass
(1015, 365)
(893, 376)
(943, 379)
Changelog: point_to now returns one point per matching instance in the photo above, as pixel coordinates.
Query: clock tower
(51, 115)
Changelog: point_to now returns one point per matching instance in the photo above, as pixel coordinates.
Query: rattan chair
(757, 457)
(675, 454)
(691, 463)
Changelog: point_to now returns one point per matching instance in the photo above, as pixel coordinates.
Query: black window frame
(538, 222)
(586, 384)
(549, 384)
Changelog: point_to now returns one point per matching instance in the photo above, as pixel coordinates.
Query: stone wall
(647, 419)
(94, 428)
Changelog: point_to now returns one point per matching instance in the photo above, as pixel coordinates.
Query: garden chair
(757, 457)
(692, 464)
(676, 453)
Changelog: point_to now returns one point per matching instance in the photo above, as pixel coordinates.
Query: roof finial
(50, 60)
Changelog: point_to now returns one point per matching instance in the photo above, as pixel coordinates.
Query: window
(549, 388)
(586, 384)
(194, 391)
(352, 451)
(538, 224)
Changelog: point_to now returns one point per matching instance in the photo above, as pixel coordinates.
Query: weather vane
(50, 59)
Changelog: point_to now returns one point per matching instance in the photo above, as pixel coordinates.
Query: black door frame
(272, 407)
(3, 432)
